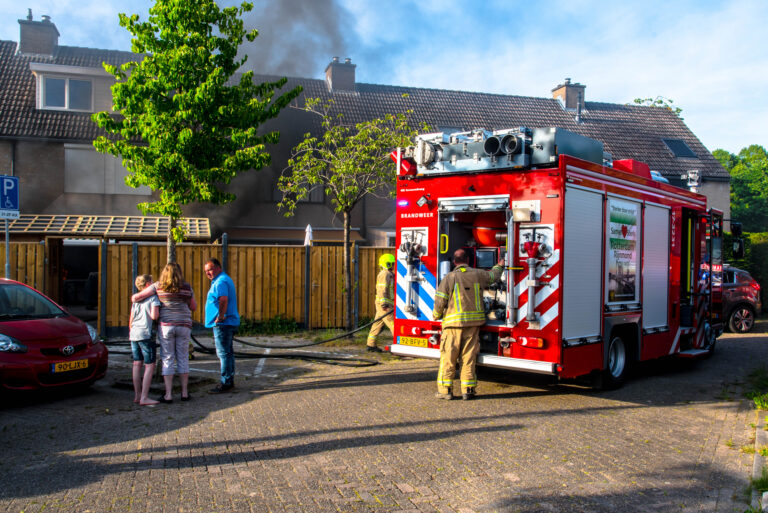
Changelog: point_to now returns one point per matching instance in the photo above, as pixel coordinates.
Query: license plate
(412, 341)
(69, 366)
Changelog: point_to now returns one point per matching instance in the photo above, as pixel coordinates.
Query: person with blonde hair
(141, 323)
(174, 333)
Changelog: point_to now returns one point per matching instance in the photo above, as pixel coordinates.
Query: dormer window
(72, 88)
(67, 93)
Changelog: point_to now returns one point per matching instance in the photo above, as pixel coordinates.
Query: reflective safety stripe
(469, 383)
(456, 298)
(441, 294)
(478, 298)
(464, 316)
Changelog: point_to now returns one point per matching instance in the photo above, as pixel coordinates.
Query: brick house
(48, 92)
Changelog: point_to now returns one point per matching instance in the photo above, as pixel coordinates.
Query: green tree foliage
(660, 101)
(183, 125)
(749, 186)
(347, 162)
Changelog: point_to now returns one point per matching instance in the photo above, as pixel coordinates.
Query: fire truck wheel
(742, 319)
(618, 360)
(710, 339)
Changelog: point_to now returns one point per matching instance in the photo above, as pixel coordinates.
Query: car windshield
(20, 302)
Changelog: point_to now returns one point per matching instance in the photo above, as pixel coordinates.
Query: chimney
(340, 76)
(38, 37)
(571, 95)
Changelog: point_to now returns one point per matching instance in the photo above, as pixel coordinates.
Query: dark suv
(741, 299)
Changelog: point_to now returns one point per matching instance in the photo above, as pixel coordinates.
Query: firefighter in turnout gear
(459, 303)
(385, 300)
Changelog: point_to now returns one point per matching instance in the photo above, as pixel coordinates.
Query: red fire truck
(605, 265)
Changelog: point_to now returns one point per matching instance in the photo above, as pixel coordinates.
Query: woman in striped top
(175, 327)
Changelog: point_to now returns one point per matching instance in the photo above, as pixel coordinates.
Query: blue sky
(710, 57)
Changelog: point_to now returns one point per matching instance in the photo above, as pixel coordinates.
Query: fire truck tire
(710, 339)
(617, 365)
(742, 319)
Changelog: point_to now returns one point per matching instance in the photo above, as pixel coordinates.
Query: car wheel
(742, 319)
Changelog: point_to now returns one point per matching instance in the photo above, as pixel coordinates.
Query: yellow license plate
(411, 341)
(69, 366)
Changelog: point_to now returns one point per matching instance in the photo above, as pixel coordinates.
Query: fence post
(356, 284)
(224, 251)
(307, 287)
(103, 292)
(134, 265)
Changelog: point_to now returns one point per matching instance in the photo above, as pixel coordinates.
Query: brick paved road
(303, 437)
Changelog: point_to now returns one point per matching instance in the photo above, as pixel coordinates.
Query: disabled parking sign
(9, 197)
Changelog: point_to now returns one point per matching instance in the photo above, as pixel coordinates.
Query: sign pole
(7, 251)
(9, 209)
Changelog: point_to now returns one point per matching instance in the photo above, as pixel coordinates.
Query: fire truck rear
(605, 266)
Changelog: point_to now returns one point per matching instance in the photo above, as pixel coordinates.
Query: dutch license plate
(412, 341)
(69, 366)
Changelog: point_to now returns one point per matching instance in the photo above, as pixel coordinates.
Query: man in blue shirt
(221, 315)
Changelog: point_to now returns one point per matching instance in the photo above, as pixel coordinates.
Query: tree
(183, 126)
(348, 163)
(749, 186)
(660, 101)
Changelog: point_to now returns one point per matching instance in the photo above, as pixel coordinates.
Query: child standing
(143, 346)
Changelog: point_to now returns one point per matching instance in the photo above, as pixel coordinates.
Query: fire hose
(319, 357)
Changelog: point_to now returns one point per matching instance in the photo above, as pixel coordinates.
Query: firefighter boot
(447, 396)
(468, 394)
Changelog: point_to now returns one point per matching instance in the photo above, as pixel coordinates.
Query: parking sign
(9, 197)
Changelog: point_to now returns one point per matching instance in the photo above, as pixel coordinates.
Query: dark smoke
(297, 38)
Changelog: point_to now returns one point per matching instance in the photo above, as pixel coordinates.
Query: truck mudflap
(486, 360)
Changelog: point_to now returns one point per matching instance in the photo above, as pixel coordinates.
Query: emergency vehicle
(605, 266)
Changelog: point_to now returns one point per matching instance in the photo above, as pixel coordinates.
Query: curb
(758, 463)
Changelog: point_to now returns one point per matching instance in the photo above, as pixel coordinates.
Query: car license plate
(412, 341)
(69, 366)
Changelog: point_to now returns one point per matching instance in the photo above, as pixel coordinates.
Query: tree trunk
(347, 275)
(171, 243)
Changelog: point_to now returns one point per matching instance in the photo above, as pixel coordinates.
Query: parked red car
(741, 299)
(42, 345)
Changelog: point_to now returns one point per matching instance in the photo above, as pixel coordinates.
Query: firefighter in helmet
(385, 300)
(459, 303)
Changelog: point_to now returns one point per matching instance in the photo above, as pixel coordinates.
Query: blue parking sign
(9, 197)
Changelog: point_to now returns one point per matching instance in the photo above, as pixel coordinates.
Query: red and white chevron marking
(701, 314)
(547, 299)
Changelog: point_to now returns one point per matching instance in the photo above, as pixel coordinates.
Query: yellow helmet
(386, 260)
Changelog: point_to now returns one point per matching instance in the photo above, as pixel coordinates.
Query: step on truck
(605, 266)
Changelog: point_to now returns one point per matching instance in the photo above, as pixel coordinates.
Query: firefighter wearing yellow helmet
(385, 300)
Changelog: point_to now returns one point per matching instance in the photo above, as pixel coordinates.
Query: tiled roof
(627, 131)
(18, 116)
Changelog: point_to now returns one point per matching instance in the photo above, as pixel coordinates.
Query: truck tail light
(531, 342)
(755, 285)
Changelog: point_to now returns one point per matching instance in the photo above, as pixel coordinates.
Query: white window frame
(43, 71)
(66, 106)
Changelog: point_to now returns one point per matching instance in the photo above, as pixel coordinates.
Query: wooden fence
(27, 261)
(271, 281)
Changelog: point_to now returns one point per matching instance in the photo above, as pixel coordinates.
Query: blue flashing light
(402, 203)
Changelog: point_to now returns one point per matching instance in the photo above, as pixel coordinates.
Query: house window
(67, 93)
(679, 149)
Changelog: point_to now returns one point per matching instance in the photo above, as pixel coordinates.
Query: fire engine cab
(605, 266)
